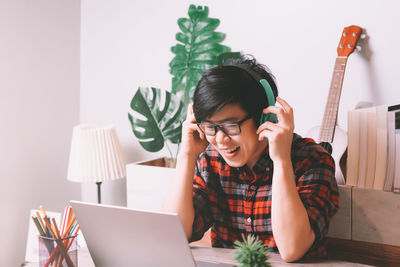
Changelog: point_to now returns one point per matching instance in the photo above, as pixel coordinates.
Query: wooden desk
(223, 255)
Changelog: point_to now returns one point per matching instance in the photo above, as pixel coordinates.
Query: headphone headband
(260, 80)
(268, 91)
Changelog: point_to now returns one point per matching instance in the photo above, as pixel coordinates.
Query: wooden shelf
(367, 215)
(363, 252)
(366, 228)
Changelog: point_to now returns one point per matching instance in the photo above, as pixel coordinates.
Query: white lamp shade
(96, 154)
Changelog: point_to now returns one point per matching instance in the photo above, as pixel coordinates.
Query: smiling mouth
(231, 150)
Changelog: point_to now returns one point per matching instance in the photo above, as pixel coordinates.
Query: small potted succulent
(251, 252)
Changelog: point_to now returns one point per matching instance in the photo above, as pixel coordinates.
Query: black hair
(235, 82)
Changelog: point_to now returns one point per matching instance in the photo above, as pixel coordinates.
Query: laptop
(119, 236)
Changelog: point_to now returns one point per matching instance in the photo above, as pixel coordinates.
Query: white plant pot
(147, 183)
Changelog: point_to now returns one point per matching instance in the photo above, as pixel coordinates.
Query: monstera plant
(156, 115)
(159, 116)
(197, 51)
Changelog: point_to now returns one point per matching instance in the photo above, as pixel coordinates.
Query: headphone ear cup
(271, 102)
(268, 117)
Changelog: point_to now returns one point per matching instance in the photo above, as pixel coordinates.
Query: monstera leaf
(156, 117)
(198, 51)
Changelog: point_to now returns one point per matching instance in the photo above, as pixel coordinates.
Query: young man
(229, 178)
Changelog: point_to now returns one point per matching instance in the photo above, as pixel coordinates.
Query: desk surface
(225, 255)
(222, 255)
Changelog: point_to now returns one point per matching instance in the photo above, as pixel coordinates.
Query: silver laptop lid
(118, 236)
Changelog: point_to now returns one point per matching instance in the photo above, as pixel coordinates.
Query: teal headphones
(271, 101)
(268, 91)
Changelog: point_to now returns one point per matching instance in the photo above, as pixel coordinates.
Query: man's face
(237, 150)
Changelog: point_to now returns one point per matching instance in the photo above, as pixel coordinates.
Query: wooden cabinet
(366, 228)
(367, 215)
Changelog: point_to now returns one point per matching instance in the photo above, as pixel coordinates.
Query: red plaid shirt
(234, 202)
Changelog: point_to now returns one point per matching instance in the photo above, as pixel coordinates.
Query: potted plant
(251, 252)
(156, 115)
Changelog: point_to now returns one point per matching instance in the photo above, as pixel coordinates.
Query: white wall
(39, 104)
(126, 44)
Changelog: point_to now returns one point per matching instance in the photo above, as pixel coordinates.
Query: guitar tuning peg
(363, 36)
(358, 48)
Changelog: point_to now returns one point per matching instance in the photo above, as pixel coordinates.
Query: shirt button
(253, 187)
(267, 169)
(249, 220)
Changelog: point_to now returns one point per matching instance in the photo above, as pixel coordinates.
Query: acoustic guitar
(329, 135)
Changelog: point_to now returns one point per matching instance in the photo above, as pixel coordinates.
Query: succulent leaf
(251, 252)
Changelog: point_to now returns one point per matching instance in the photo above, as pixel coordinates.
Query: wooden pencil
(60, 244)
(43, 210)
(36, 222)
(46, 233)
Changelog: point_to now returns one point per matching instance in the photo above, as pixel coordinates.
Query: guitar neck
(327, 130)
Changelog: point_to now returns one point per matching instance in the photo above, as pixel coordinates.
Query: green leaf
(198, 13)
(185, 25)
(210, 37)
(197, 51)
(206, 25)
(251, 252)
(156, 117)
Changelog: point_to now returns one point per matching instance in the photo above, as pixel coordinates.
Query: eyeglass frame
(220, 126)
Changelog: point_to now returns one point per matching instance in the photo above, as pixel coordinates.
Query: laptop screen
(119, 236)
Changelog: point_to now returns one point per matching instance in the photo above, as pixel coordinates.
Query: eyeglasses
(229, 128)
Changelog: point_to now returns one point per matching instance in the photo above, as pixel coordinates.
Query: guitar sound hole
(327, 146)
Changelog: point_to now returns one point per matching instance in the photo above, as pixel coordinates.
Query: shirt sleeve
(202, 214)
(318, 191)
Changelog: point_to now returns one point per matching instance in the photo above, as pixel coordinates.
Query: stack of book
(373, 159)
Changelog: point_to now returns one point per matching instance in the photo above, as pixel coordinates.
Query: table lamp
(95, 155)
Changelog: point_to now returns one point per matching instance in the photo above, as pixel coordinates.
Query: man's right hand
(194, 141)
(179, 198)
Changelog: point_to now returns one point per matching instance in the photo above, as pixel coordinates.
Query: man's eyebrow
(230, 119)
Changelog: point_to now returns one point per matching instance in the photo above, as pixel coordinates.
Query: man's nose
(221, 136)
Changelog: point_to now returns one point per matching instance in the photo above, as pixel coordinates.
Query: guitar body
(339, 149)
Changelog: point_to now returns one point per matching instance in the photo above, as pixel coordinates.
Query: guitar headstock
(348, 40)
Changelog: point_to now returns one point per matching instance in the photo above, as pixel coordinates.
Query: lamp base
(98, 192)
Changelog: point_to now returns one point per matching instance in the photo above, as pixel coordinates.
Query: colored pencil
(63, 236)
(70, 224)
(63, 220)
(43, 211)
(59, 243)
(38, 226)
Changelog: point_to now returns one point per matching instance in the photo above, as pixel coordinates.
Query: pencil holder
(58, 252)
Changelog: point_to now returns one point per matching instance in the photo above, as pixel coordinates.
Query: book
(372, 157)
(391, 145)
(381, 147)
(366, 117)
(353, 146)
(353, 142)
(367, 147)
(396, 178)
(371, 148)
